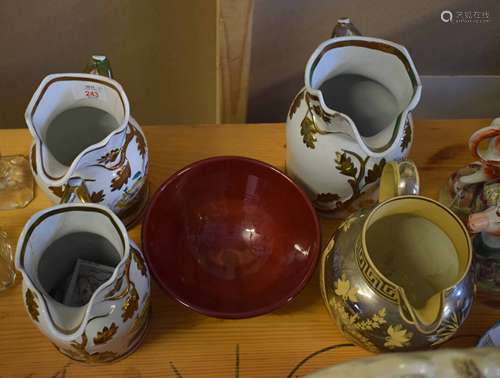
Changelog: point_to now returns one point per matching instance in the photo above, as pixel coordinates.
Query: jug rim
(46, 82)
(366, 255)
(38, 218)
(378, 44)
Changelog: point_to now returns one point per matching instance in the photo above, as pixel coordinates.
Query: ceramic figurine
(82, 128)
(91, 314)
(449, 363)
(397, 277)
(473, 193)
(351, 117)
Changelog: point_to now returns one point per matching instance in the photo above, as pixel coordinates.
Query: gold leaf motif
(375, 322)
(139, 261)
(397, 337)
(351, 326)
(345, 165)
(97, 197)
(106, 334)
(109, 157)
(116, 287)
(32, 305)
(57, 190)
(296, 103)
(141, 143)
(467, 368)
(375, 172)
(140, 322)
(316, 108)
(307, 130)
(121, 178)
(405, 141)
(79, 352)
(447, 329)
(343, 289)
(131, 304)
(347, 223)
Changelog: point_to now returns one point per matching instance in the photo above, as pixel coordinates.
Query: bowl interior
(231, 237)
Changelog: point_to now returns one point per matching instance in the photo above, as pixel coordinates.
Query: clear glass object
(16, 182)
(7, 269)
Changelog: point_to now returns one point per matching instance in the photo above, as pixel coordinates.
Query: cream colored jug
(351, 117)
(398, 276)
(113, 322)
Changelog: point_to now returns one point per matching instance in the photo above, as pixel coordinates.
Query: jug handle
(491, 133)
(344, 28)
(99, 65)
(75, 190)
(399, 179)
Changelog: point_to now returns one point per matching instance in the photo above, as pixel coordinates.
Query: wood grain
(234, 39)
(184, 343)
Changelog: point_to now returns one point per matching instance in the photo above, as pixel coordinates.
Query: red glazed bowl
(231, 237)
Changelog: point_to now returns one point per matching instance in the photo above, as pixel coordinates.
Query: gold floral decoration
(97, 197)
(32, 305)
(116, 287)
(131, 304)
(308, 131)
(343, 289)
(346, 166)
(130, 293)
(296, 103)
(122, 176)
(106, 334)
(375, 322)
(109, 157)
(397, 337)
(349, 325)
(140, 322)
(141, 143)
(79, 352)
(405, 141)
(116, 160)
(58, 191)
(308, 127)
(139, 261)
(450, 325)
(346, 224)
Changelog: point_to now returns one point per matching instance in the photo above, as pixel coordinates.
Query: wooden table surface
(292, 341)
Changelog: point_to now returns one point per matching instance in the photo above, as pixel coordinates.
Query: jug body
(81, 126)
(398, 276)
(63, 253)
(352, 116)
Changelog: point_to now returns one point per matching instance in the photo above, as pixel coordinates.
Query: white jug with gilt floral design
(351, 117)
(95, 314)
(82, 128)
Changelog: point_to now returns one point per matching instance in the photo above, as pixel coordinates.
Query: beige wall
(285, 33)
(162, 51)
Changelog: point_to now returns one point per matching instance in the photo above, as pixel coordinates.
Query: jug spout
(69, 116)
(362, 87)
(426, 318)
(69, 256)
